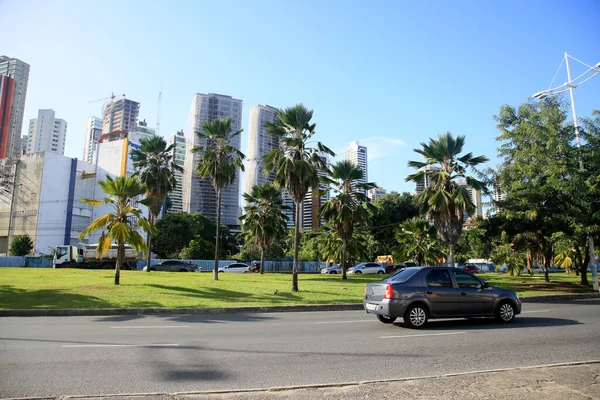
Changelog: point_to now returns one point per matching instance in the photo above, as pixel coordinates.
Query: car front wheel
(505, 312)
(380, 272)
(333, 272)
(416, 316)
(386, 319)
(358, 272)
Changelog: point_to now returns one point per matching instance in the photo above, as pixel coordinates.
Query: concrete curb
(236, 310)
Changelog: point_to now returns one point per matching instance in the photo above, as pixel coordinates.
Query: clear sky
(390, 74)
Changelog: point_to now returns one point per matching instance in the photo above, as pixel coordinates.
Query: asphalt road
(54, 356)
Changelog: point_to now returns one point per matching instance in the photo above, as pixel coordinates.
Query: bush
(21, 245)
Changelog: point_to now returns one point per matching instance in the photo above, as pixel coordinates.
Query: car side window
(465, 280)
(438, 278)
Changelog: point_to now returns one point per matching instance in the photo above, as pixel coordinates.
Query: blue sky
(390, 74)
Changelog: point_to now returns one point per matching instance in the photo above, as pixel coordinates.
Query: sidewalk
(565, 381)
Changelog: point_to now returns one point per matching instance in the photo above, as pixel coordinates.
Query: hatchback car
(238, 268)
(418, 294)
(333, 269)
(367, 268)
(173, 266)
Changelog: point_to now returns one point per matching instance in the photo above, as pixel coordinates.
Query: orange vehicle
(387, 260)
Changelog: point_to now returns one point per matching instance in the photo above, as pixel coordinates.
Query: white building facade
(93, 130)
(47, 133)
(376, 193)
(198, 195)
(357, 154)
(260, 143)
(177, 139)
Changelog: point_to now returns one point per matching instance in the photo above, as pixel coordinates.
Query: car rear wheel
(358, 273)
(505, 312)
(416, 316)
(333, 272)
(183, 270)
(386, 319)
(379, 272)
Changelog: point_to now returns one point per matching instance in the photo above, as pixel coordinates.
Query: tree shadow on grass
(249, 299)
(15, 298)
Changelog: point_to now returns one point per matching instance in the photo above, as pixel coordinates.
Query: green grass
(22, 288)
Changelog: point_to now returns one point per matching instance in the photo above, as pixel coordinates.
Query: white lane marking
(121, 345)
(529, 312)
(421, 335)
(346, 322)
(149, 327)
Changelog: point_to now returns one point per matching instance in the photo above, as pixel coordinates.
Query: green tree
(474, 243)
(198, 249)
(21, 245)
(153, 162)
(264, 221)
(123, 224)
(417, 241)
(390, 210)
(444, 200)
(358, 247)
(348, 206)
(540, 176)
(295, 164)
(220, 162)
(251, 251)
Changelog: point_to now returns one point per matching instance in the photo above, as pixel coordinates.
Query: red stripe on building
(7, 91)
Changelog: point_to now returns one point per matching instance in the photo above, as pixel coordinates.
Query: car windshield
(403, 275)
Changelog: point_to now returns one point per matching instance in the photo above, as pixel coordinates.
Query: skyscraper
(198, 195)
(19, 72)
(312, 203)
(376, 193)
(260, 143)
(120, 115)
(178, 140)
(358, 155)
(46, 133)
(420, 186)
(7, 94)
(93, 130)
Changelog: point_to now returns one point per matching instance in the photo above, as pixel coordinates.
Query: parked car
(418, 294)
(173, 266)
(472, 268)
(486, 267)
(367, 268)
(238, 268)
(390, 269)
(332, 269)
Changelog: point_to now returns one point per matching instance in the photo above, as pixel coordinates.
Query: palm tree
(444, 200)
(220, 162)
(264, 221)
(348, 207)
(295, 164)
(418, 241)
(155, 167)
(121, 226)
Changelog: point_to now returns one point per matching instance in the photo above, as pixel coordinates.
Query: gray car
(173, 266)
(418, 294)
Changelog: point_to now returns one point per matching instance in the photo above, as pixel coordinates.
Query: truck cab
(66, 256)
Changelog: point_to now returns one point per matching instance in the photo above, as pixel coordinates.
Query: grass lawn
(22, 288)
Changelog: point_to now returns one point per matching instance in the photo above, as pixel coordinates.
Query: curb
(236, 310)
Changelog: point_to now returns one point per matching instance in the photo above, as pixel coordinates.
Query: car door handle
(463, 294)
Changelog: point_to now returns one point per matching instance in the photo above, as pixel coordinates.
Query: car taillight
(366, 291)
(389, 292)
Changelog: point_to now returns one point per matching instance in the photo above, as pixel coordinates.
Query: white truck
(87, 257)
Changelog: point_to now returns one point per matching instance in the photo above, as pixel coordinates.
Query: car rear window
(403, 275)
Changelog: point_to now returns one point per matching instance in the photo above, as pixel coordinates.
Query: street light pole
(571, 85)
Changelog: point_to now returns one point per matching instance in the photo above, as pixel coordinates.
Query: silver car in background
(418, 294)
(367, 268)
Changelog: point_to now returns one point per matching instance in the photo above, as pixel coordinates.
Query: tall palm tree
(154, 165)
(418, 241)
(220, 162)
(349, 206)
(444, 200)
(123, 224)
(264, 221)
(296, 165)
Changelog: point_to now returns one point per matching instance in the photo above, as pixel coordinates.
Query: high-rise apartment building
(120, 115)
(421, 186)
(312, 203)
(19, 72)
(260, 143)
(7, 94)
(376, 193)
(475, 196)
(177, 139)
(93, 131)
(358, 155)
(142, 131)
(46, 133)
(198, 195)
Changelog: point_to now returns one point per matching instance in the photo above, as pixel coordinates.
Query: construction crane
(111, 97)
